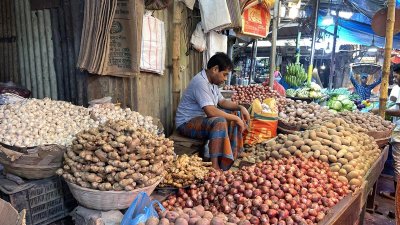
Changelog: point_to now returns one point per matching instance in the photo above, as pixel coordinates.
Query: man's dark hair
(396, 68)
(221, 60)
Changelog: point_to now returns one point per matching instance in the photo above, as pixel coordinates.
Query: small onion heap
(185, 170)
(368, 121)
(116, 156)
(350, 152)
(304, 115)
(279, 191)
(247, 94)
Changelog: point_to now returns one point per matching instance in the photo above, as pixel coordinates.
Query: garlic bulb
(34, 122)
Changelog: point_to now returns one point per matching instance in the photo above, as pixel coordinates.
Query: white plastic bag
(153, 45)
(198, 39)
(214, 14)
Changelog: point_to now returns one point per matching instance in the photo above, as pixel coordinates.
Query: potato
(181, 221)
(199, 210)
(299, 143)
(316, 154)
(323, 158)
(217, 221)
(348, 168)
(275, 154)
(342, 172)
(288, 143)
(309, 154)
(203, 222)
(152, 221)
(164, 221)
(316, 147)
(332, 158)
(353, 174)
(298, 153)
(343, 179)
(194, 220)
(341, 153)
(292, 149)
(356, 182)
(348, 156)
(172, 216)
(305, 148)
(324, 135)
(335, 168)
(208, 215)
(343, 161)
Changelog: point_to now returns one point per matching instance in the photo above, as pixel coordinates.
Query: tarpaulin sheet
(357, 33)
(370, 7)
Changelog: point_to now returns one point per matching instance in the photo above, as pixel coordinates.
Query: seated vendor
(363, 89)
(201, 113)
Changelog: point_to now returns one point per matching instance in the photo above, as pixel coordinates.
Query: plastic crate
(44, 202)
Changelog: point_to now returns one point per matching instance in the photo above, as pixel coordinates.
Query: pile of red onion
(246, 94)
(285, 191)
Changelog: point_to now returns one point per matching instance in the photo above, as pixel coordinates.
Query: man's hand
(245, 113)
(241, 125)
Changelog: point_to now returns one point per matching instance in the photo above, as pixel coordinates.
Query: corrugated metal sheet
(35, 48)
(8, 43)
(46, 46)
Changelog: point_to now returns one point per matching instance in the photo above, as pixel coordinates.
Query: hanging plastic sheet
(214, 14)
(369, 7)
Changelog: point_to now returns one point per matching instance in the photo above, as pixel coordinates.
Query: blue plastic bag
(141, 209)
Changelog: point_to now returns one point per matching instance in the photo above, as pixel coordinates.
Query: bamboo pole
(176, 20)
(275, 24)
(314, 36)
(386, 64)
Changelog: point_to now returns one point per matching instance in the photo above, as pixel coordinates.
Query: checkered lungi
(225, 139)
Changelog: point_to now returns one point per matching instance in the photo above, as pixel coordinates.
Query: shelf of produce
(350, 210)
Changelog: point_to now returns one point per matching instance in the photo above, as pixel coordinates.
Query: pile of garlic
(35, 122)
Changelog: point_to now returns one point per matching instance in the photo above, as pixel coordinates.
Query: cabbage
(336, 105)
(315, 87)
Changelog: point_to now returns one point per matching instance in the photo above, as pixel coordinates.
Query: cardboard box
(10, 216)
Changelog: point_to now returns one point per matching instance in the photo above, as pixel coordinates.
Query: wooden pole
(176, 49)
(333, 55)
(386, 64)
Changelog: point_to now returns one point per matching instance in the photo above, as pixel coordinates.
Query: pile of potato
(185, 170)
(350, 152)
(368, 121)
(304, 115)
(118, 156)
(194, 216)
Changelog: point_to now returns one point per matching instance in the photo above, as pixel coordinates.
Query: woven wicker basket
(107, 200)
(381, 134)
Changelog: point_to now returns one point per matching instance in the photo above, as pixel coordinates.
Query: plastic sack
(141, 209)
(263, 123)
(153, 45)
(198, 39)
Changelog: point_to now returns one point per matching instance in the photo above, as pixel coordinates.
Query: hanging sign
(255, 21)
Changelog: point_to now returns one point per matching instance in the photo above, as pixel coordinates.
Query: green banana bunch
(295, 74)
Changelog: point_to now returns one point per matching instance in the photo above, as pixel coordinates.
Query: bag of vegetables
(263, 123)
(141, 210)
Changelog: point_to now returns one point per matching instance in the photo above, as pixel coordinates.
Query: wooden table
(351, 209)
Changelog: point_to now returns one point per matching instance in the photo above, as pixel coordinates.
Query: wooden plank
(37, 78)
(58, 65)
(70, 49)
(44, 55)
(50, 54)
(21, 71)
(349, 209)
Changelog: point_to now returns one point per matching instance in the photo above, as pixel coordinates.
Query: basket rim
(112, 192)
